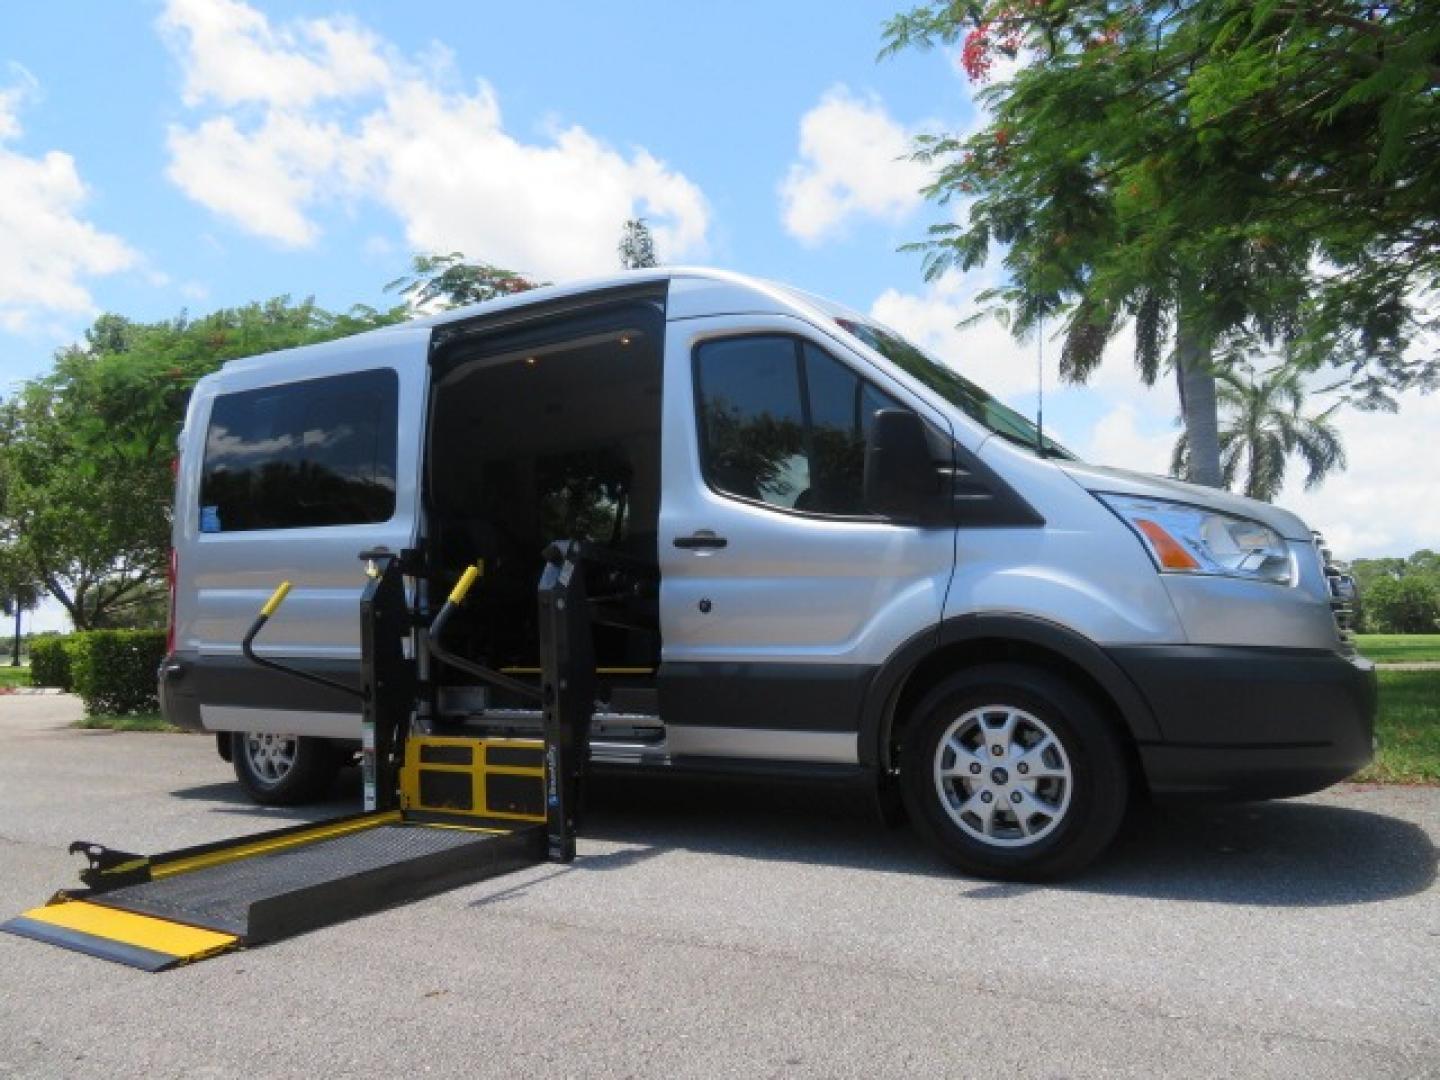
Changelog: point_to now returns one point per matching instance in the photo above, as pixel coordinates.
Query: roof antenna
(1040, 387)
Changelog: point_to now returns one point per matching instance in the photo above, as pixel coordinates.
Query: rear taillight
(172, 572)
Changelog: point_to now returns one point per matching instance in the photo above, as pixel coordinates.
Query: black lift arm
(567, 689)
(470, 667)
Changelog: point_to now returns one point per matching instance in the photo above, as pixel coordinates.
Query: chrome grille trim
(1343, 594)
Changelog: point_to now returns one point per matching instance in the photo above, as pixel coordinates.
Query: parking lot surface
(745, 930)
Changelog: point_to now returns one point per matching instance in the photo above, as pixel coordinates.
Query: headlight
(1184, 539)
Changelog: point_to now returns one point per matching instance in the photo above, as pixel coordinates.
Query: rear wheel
(283, 770)
(1013, 774)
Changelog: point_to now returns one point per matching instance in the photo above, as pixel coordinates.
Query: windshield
(970, 399)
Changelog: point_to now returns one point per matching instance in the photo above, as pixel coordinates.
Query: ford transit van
(864, 567)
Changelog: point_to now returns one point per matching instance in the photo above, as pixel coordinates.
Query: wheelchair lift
(441, 810)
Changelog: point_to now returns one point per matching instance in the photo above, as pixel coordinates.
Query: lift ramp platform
(161, 911)
(442, 809)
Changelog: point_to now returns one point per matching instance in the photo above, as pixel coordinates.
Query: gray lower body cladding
(1233, 722)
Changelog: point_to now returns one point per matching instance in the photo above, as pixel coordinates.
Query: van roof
(783, 295)
(718, 291)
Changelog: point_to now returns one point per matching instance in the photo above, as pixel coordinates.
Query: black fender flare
(878, 708)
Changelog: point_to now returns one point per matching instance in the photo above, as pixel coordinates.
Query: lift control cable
(247, 647)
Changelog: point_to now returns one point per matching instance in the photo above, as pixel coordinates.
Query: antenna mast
(1040, 387)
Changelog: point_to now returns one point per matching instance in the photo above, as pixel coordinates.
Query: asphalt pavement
(745, 930)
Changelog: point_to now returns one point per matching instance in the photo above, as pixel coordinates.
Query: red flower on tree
(975, 53)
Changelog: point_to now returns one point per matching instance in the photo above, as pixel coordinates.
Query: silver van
(868, 567)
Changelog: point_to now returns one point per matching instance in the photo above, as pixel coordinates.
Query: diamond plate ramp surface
(263, 897)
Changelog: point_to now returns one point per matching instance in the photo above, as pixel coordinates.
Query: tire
(283, 770)
(1058, 785)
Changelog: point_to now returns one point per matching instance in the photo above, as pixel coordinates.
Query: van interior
(536, 440)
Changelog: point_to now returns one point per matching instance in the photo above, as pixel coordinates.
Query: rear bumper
(228, 693)
(1252, 723)
(178, 702)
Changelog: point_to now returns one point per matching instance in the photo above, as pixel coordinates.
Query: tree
(85, 451)
(1227, 176)
(1385, 573)
(637, 246)
(1407, 605)
(448, 281)
(1262, 427)
(18, 594)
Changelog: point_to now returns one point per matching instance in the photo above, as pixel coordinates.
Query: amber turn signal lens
(1171, 555)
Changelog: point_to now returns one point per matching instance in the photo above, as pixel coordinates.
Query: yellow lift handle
(276, 599)
(467, 579)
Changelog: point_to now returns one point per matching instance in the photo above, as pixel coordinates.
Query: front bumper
(1252, 723)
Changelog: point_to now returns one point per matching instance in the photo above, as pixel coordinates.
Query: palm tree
(1262, 428)
(637, 246)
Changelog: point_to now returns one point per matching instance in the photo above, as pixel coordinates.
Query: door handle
(702, 539)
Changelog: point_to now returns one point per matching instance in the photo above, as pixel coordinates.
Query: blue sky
(715, 92)
(189, 154)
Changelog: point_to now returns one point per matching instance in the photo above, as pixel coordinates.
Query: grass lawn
(138, 722)
(14, 676)
(1409, 729)
(1395, 648)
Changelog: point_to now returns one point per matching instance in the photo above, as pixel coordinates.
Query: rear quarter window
(302, 455)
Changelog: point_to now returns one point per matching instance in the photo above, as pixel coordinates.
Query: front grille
(1342, 595)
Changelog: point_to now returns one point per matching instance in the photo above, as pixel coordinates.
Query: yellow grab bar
(276, 599)
(462, 586)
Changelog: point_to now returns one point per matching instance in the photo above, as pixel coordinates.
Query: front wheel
(283, 770)
(1013, 774)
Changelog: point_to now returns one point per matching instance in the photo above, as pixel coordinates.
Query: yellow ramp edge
(140, 941)
(232, 852)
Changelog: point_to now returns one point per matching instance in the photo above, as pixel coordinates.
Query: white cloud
(234, 56)
(1387, 502)
(854, 162)
(12, 98)
(1129, 438)
(321, 110)
(263, 178)
(459, 180)
(47, 249)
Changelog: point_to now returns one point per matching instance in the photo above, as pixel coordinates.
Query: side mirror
(900, 477)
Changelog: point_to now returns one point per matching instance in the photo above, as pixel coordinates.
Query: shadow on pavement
(1275, 854)
(1262, 854)
(342, 798)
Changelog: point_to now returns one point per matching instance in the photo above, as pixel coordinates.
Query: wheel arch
(966, 640)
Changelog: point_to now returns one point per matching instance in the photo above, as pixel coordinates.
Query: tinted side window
(313, 453)
(752, 419)
(784, 423)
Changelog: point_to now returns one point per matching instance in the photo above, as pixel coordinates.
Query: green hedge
(114, 671)
(50, 661)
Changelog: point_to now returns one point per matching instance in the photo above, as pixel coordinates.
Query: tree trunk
(1198, 409)
(15, 652)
